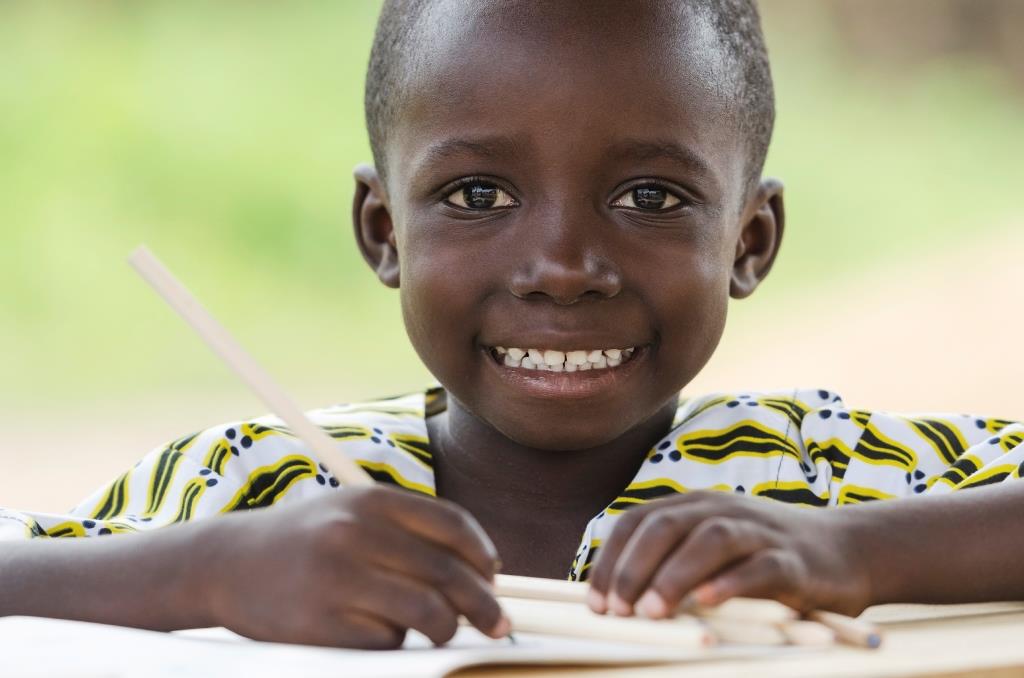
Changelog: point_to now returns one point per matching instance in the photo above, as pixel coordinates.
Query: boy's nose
(565, 268)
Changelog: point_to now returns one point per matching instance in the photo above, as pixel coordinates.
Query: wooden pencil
(807, 633)
(849, 630)
(744, 609)
(530, 615)
(248, 370)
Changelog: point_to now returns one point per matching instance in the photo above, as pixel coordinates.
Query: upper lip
(590, 326)
(562, 341)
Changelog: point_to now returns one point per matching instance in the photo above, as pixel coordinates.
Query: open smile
(551, 360)
(557, 374)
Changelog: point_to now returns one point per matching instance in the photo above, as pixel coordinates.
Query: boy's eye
(650, 198)
(480, 196)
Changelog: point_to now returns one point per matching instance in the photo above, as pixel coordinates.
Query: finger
(771, 573)
(657, 536)
(716, 543)
(350, 629)
(364, 631)
(601, 573)
(404, 603)
(439, 521)
(609, 553)
(464, 588)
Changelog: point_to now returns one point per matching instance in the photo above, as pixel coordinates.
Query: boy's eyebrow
(488, 146)
(644, 149)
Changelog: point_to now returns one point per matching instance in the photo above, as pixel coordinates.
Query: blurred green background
(223, 135)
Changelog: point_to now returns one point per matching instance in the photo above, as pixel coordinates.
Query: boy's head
(568, 176)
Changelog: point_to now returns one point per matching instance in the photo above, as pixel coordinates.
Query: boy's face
(566, 180)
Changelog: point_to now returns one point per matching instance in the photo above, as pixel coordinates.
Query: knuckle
(660, 523)
(451, 519)
(441, 572)
(719, 531)
(377, 499)
(703, 496)
(359, 499)
(338, 529)
(629, 520)
(781, 567)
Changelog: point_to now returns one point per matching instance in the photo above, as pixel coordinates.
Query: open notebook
(33, 648)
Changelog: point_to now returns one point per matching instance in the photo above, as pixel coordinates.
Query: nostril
(565, 284)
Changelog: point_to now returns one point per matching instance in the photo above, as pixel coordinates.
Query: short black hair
(736, 22)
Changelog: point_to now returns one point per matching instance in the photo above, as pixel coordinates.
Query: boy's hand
(354, 569)
(716, 546)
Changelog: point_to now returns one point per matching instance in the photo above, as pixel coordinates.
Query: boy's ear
(760, 237)
(375, 232)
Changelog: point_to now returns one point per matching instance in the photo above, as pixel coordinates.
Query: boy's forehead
(658, 66)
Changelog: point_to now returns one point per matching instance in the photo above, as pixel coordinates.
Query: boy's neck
(529, 498)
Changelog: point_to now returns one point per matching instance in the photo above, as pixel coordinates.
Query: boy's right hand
(353, 569)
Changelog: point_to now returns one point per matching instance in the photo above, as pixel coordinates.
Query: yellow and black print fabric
(802, 447)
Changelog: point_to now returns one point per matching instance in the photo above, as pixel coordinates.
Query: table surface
(958, 640)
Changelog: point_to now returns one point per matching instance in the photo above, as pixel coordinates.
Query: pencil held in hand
(258, 380)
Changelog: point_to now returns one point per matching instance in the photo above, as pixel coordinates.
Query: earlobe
(374, 229)
(759, 240)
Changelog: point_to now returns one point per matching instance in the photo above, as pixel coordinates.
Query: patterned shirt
(801, 447)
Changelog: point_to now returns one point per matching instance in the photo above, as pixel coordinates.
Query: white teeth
(551, 360)
(575, 358)
(554, 357)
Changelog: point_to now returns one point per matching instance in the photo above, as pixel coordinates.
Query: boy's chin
(581, 435)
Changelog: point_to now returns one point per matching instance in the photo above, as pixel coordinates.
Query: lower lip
(566, 385)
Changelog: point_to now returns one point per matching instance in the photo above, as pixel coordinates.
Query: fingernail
(618, 606)
(502, 628)
(596, 601)
(705, 595)
(652, 605)
(688, 602)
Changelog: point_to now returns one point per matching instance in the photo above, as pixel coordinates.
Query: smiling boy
(566, 201)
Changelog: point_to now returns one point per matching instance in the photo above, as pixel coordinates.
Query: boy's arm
(956, 548)
(953, 537)
(153, 580)
(352, 568)
(962, 547)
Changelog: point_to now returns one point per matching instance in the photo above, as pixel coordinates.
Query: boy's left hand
(715, 546)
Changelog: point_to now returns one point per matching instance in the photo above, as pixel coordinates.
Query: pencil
(849, 630)
(745, 609)
(248, 370)
(571, 620)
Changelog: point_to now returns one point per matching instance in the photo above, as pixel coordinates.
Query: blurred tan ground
(939, 333)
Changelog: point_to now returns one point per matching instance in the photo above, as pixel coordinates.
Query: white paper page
(48, 648)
